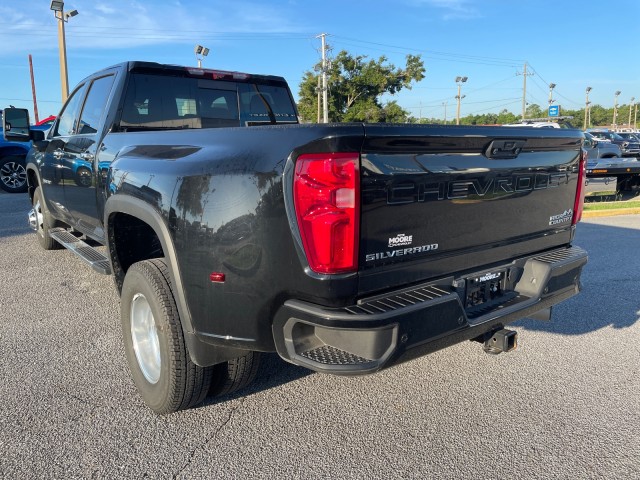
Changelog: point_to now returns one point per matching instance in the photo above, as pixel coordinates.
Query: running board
(88, 254)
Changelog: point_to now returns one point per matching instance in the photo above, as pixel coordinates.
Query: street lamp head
(632, 99)
(57, 5)
(618, 93)
(200, 50)
(70, 14)
(552, 86)
(588, 89)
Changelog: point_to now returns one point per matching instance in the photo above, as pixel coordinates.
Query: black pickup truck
(230, 229)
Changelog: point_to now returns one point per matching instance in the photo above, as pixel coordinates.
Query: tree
(505, 116)
(355, 87)
(534, 111)
(394, 113)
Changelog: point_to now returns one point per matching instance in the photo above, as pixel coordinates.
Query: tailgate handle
(499, 149)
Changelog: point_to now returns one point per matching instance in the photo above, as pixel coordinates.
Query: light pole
(459, 81)
(587, 110)
(58, 10)
(615, 108)
(200, 52)
(551, 87)
(444, 104)
(631, 105)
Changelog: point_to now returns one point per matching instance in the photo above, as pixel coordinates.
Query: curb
(610, 213)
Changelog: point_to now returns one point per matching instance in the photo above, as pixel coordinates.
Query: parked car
(13, 175)
(599, 149)
(629, 148)
(630, 136)
(46, 122)
(534, 124)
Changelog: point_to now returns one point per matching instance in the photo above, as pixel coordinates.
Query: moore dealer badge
(400, 240)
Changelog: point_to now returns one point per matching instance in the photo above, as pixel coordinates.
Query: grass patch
(590, 206)
(608, 193)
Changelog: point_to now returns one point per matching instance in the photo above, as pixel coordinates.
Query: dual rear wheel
(158, 357)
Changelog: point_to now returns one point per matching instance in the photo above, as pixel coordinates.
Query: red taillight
(326, 193)
(579, 202)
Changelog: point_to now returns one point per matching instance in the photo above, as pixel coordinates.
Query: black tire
(179, 383)
(235, 374)
(43, 222)
(13, 174)
(83, 177)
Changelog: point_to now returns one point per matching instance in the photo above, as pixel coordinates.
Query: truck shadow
(273, 372)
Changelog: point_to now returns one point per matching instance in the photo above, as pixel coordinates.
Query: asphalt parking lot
(565, 404)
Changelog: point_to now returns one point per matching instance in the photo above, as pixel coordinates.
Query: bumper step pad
(328, 355)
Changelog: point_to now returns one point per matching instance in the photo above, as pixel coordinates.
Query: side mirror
(16, 124)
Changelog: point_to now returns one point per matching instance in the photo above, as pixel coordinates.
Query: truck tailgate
(436, 198)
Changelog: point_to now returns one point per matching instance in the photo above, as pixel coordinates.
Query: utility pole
(319, 90)
(325, 101)
(635, 117)
(444, 104)
(524, 90)
(587, 110)
(35, 102)
(630, 105)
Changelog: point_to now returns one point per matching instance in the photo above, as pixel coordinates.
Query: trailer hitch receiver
(500, 341)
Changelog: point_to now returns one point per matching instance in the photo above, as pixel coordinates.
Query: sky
(572, 43)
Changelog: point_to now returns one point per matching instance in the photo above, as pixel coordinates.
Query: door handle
(86, 156)
(58, 154)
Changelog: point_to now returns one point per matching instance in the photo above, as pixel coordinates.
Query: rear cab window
(179, 100)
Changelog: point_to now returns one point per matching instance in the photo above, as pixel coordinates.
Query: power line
(472, 103)
(490, 85)
(490, 60)
(491, 108)
(425, 53)
(28, 100)
(556, 90)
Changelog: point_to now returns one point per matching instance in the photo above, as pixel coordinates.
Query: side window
(69, 115)
(95, 104)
